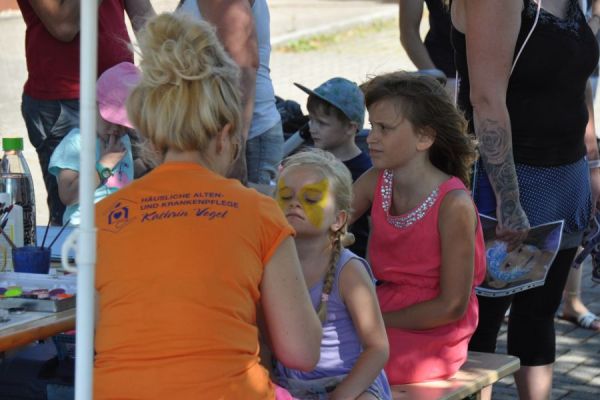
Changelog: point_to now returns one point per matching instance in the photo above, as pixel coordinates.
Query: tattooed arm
(491, 28)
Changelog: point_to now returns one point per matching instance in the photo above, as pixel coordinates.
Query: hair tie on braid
(347, 239)
(324, 297)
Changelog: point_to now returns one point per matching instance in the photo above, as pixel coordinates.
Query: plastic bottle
(13, 229)
(15, 179)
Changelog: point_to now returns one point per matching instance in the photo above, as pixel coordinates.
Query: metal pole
(86, 248)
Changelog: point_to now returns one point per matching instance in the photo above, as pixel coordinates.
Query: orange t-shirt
(181, 254)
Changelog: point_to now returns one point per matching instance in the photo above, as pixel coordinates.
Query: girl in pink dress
(426, 246)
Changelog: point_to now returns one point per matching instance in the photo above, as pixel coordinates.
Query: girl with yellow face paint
(315, 192)
(313, 196)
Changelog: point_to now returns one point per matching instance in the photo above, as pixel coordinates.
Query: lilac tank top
(340, 346)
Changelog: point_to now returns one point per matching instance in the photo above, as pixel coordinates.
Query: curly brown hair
(426, 104)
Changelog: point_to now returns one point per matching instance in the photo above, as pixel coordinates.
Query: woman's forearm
(410, 14)
(416, 50)
(492, 129)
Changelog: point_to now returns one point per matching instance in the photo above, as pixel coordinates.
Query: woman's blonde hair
(340, 180)
(189, 89)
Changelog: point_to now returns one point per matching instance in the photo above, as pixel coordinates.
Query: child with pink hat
(114, 160)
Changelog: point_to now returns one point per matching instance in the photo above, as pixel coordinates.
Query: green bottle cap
(15, 143)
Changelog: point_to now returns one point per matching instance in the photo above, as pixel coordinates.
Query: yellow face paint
(284, 194)
(313, 197)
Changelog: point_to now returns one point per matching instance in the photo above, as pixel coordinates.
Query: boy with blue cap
(336, 111)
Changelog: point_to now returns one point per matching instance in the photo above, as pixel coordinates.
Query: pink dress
(405, 254)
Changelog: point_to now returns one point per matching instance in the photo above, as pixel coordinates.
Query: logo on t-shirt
(120, 215)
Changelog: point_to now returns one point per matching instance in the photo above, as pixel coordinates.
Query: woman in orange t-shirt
(185, 256)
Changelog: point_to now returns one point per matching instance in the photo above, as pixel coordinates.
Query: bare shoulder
(457, 208)
(354, 276)
(370, 175)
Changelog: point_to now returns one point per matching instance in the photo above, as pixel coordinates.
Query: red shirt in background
(53, 65)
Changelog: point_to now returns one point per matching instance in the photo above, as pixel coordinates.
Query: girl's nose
(371, 137)
(293, 203)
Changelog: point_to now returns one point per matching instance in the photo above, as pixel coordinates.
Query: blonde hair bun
(177, 48)
(189, 89)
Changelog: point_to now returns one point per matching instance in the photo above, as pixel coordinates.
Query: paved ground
(355, 55)
(577, 369)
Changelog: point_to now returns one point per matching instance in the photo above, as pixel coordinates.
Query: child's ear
(352, 129)
(426, 137)
(341, 218)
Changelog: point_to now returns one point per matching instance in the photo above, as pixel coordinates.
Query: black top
(357, 166)
(437, 40)
(546, 91)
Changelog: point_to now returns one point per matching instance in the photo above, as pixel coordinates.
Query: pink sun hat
(113, 88)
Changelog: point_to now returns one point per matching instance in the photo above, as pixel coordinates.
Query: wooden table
(480, 370)
(27, 332)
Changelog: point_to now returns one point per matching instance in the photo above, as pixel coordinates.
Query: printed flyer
(523, 268)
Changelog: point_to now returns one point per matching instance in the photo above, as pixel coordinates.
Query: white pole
(86, 248)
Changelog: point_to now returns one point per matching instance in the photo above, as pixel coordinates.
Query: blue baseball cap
(344, 95)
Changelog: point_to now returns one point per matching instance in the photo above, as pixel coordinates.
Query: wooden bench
(480, 370)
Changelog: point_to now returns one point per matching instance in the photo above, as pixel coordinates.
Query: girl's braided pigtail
(330, 276)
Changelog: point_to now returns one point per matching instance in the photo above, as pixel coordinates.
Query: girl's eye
(313, 196)
(381, 128)
(285, 194)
